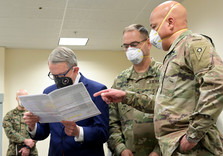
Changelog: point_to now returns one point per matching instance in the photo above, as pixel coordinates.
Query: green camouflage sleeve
(115, 141)
(141, 102)
(208, 69)
(12, 135)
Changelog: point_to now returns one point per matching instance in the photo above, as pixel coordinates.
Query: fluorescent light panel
(73, 41)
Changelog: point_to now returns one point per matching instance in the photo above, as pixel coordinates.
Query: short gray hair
(63, 54)
(143, 31)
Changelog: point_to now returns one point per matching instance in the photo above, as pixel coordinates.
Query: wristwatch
(28, 147)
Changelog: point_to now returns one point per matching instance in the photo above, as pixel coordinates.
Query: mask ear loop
(72, 72)
(142, 45)
(166, 16)
(141, 48)
(174, 33)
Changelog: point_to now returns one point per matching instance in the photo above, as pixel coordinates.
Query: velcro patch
(199, 51)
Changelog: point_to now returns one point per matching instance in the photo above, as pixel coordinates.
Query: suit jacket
(95, 128)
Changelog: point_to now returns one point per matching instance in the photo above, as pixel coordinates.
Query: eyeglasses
(132, 44)
(52, 76)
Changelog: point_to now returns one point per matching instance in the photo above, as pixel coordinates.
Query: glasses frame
(52, 76)
(132, 44)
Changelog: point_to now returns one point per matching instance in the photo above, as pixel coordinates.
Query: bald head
(170, 9)
(20, 92)
(169, 19)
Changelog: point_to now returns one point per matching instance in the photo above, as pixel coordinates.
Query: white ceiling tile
(38, 24)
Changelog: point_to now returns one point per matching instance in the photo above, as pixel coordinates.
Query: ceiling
(38, 24)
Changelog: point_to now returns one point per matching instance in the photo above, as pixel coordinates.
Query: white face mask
(135, 55)
(155, 39)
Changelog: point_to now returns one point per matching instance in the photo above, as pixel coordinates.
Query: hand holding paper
(31, 120)
(71, 129)
(71, 103)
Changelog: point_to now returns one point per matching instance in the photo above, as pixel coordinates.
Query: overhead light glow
(73, 41)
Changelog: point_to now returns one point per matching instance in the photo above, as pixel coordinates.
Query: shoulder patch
(199, 51)
(200, 55)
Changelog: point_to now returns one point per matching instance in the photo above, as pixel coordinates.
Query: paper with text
(71, 103)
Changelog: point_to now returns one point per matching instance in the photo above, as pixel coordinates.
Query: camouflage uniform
(16, 131)
(190, 97)
(129, 128)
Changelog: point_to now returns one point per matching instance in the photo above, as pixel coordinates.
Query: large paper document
(71, 103)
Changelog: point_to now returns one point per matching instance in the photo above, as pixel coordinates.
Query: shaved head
(178, 12)
(20, 92)
(171, 17)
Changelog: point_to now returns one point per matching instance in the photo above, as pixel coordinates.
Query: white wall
(2, 74)
(2, 69)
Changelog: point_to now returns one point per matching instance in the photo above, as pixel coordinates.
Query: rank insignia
(199, 51)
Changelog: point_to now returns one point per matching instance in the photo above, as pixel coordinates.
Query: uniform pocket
(170, 77)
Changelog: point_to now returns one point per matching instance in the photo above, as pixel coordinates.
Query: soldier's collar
(148, 72)
(182, 35)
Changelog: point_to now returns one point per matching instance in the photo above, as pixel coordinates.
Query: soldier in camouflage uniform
(16, 131)
(132, 131)
(190, 96)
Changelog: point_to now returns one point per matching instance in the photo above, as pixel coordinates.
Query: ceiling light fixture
(73, 41)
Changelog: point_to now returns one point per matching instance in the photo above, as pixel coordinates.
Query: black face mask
(63, 81)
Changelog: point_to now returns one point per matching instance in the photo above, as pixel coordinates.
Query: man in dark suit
(68, 138)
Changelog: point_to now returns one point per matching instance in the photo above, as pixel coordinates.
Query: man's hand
(71, 129)
(111, 95)
(31, 120)
(127, 152)
(185, 145)
(29, 142)
(24, 151)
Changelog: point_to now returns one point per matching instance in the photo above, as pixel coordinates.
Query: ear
(76, 69)
(148, 43)
(171, 22)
